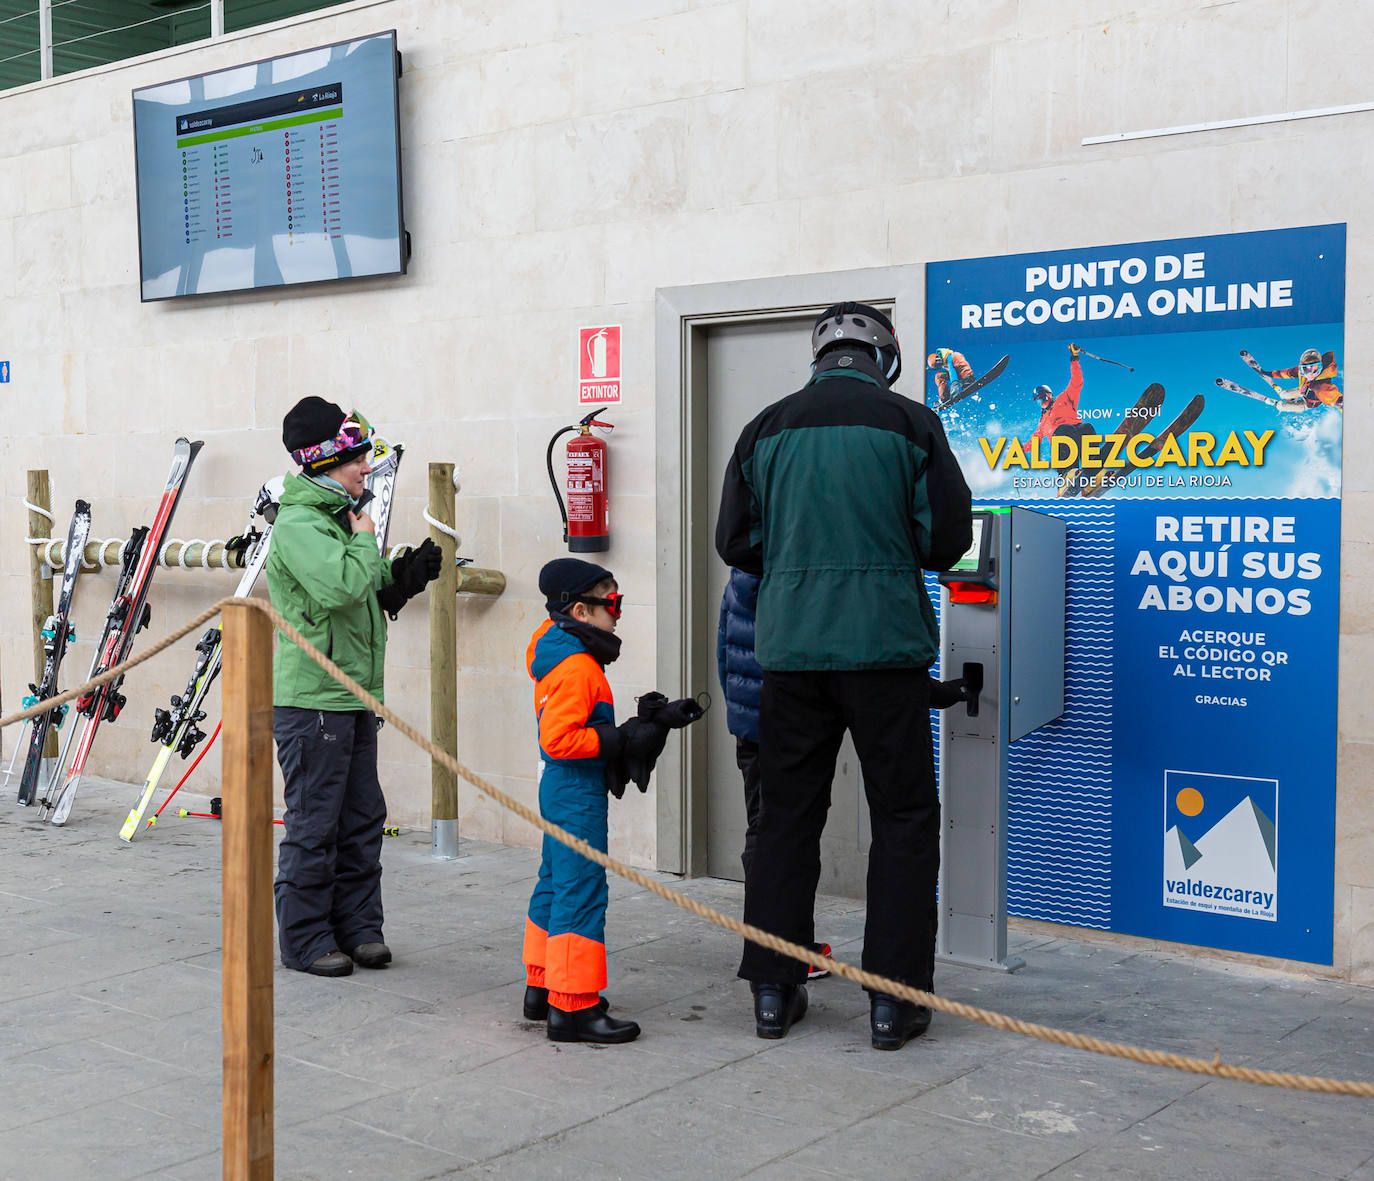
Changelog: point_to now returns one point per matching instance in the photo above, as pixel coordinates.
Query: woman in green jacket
(327, 577)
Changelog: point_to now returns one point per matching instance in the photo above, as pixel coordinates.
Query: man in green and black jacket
(840, 495)
(327, 577)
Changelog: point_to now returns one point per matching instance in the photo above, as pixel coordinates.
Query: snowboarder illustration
(951, 370)
(1315, 374)
(954, 378)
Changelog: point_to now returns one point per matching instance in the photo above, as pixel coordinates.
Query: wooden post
(246, 841)
(443, 668)
(39, 492)
(474, 580)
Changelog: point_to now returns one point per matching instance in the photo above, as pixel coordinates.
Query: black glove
(612, 748)
(943, 694)
(417, 568)
(411, 572)
(655, 707)
(644, 742)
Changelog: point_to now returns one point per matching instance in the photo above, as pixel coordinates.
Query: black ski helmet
(1042, 392)
(863, 324)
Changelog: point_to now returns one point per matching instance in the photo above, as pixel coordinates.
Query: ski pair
(178, 728)
(58, 632)
(1107, 477)
(1135, 420)
(127, 615)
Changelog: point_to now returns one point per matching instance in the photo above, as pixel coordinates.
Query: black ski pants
(747, 760)
(329, 867)
(802, 721)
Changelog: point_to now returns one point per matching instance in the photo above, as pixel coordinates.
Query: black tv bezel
(402, 238)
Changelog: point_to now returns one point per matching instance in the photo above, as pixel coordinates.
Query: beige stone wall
(565, 158)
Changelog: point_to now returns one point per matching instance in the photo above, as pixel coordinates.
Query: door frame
(681, 317)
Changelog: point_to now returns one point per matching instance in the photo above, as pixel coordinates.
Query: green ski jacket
(840, 495)
(324, 579)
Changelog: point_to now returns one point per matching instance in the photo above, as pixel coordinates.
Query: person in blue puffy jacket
(742, 680)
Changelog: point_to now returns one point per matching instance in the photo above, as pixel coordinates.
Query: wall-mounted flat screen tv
(279, 172)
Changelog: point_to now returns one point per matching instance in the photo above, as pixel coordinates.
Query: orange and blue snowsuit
(951, 373)
(565, 932)
(1320, 390)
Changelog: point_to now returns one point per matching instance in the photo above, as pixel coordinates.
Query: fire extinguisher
(585, 527)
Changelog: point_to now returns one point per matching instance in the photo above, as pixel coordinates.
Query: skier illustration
(951, 370)
(1059, 414)
(1315, 374)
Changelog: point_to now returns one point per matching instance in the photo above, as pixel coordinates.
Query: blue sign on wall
(1179, 403)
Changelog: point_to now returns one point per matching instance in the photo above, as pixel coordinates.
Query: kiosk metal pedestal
(1002, 629)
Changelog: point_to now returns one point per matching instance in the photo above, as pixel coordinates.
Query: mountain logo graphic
(1221, 844)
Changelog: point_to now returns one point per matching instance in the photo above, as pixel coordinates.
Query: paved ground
(110, 1055)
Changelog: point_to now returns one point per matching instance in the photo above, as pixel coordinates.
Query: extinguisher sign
(598, 364)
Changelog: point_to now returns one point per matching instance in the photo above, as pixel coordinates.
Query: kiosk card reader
(1002, 630)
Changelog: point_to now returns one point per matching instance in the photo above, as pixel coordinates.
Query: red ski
(127, 616)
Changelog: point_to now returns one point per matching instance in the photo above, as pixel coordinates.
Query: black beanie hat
(312, 421)
(563, 579)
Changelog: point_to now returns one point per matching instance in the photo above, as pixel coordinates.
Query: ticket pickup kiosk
(1002, 630)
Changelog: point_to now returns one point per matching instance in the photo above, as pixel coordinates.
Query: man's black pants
(802, 721)
(329, 867)
(747, 760)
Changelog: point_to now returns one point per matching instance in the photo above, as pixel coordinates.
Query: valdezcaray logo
(1221, 841)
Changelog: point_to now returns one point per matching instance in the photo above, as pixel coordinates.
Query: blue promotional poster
(1179, 404)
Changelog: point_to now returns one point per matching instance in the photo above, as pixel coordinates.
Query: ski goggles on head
(1311, 369)
(354, 432)
(613, 602)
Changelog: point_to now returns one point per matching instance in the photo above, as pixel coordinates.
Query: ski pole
(152, 820)
(18, 744)
(1108, 361)
(212, 815)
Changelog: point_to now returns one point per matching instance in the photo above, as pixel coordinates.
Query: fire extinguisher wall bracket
(585, 527)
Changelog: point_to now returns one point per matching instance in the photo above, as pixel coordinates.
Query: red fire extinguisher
(585, 527)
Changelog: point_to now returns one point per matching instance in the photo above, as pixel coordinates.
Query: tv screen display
(277, 172)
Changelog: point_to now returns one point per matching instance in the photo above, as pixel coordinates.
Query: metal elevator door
(748, 366)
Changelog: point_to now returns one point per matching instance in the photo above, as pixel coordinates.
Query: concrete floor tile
(190, 1041)
(336, 1146)
(1321, 1133)
(56, 1018)
(796, 1086)
(1084, 1100)
(672, 1135)
(551, 1162)
(70, 1077)
(1145, 1156)
(304, 1091)
(319, 1003)
(910, 1143)
(397, 1054)
(163, 990)
(472, 1117)
(111, 1140)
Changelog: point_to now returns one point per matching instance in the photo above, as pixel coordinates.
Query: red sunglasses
(613, 602)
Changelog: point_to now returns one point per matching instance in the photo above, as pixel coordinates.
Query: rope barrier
(1213, 1067)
